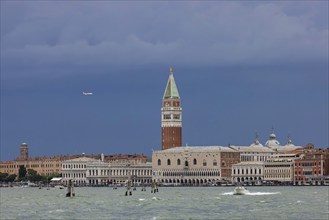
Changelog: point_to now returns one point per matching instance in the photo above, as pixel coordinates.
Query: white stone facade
(191, 165)
(248, 172)
(97, 173)
(75, 170)
(140, 173)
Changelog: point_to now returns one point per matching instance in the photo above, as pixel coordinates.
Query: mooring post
(70, 189)
(128, 186)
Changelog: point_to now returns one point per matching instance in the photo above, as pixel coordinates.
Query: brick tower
(23, 152)
(171, 116)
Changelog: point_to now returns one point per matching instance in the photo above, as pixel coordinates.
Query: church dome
(272, 142)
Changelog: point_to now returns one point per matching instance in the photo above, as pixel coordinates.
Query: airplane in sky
(87, 93)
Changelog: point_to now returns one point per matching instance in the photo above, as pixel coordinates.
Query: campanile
(171, 116)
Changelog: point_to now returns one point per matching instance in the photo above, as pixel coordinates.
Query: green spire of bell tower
(171, 88)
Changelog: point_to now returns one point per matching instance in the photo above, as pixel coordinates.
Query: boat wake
(263, 193)
(254, 193)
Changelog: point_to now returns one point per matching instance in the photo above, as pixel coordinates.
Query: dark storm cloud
(239, 66)
(37, 34)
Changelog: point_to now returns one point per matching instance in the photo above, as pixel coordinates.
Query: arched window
(215, 162)
(204, 162)
(159, 162)
(186, 163)
(194, 162)
(178, 161)
(168, 162)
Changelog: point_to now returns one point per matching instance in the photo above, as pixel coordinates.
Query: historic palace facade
(194, 165)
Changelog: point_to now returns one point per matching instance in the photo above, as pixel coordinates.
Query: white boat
(240, 190)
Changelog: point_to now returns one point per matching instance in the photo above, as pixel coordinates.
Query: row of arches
(189, 181)
(247, 179)
(74, 166)
(125, 172)
(195, 162)
(246, 171)
(191, 173)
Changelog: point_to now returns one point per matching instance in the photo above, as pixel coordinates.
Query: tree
(31, 172)
(34, 178)
(11, 178)
(3, 176)
(21, 172)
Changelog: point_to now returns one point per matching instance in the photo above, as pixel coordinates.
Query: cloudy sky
(240, 67)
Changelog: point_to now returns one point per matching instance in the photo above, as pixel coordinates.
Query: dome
(272, 143)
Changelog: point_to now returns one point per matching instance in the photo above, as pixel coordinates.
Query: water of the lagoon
(284, 202)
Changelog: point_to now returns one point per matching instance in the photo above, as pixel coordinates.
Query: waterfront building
(279, 168)
(171, 116)
(97, 172)
(75, 170)
(202, 165)
(248, 172)
(313, 166)
(251, 168)
(140, 173)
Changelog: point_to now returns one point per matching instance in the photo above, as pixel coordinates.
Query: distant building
(43, 165)
(50, 165)
(171, 114)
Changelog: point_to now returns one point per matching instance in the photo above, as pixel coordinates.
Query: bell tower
(171, 116)
(23, 152)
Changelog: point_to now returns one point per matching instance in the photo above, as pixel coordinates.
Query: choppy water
(169, 203)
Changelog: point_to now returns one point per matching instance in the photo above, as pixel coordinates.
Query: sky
(240, 68)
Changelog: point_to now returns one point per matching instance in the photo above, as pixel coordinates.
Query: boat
(240, 190)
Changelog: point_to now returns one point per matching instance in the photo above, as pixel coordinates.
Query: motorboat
(240, 190)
